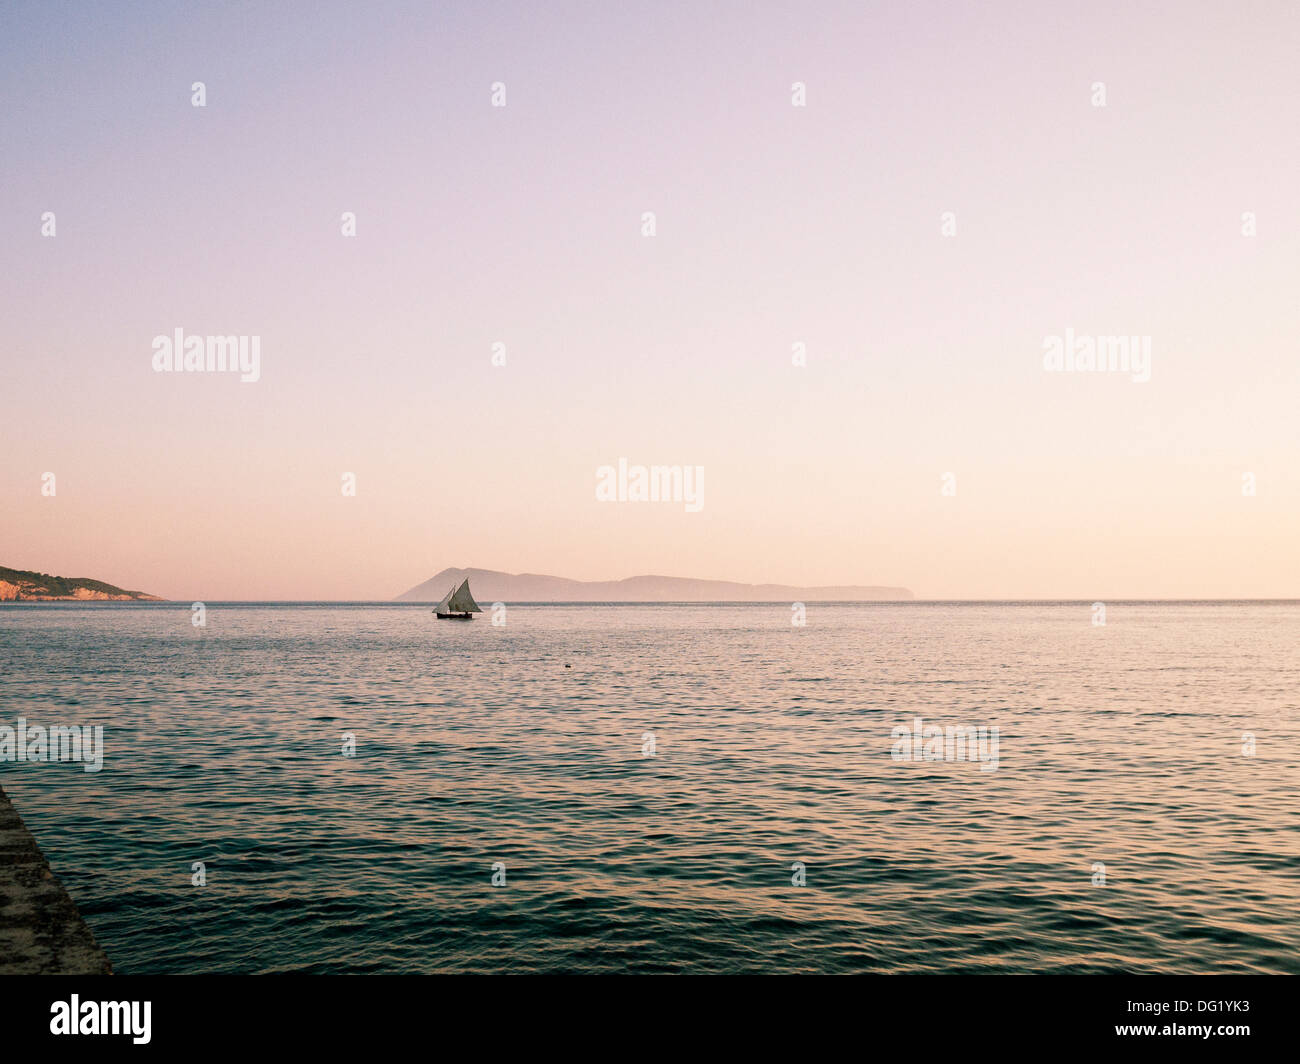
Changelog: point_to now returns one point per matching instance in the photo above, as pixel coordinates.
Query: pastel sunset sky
(775, 225)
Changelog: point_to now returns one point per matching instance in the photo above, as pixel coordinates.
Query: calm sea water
(523, 744)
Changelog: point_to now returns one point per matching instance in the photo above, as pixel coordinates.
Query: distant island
(21, 585)
(488, 585)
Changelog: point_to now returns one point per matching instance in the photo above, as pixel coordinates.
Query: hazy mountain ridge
(24, 585)
(490, 585)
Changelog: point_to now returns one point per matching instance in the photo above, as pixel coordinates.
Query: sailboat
(457, 604)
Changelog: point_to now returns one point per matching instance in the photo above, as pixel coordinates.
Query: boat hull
(455, 616)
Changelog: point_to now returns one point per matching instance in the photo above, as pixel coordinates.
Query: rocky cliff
(22, 585)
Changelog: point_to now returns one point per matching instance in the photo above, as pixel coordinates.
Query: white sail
(443, 606)
(460, 601)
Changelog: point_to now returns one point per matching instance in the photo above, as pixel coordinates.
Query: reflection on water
(1119, 745)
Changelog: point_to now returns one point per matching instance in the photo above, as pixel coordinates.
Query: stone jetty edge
(41, 930)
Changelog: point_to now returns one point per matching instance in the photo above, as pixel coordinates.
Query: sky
(954, 191)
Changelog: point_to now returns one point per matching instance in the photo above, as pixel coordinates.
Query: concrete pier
(41, 931)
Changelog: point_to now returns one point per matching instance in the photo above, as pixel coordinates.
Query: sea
(350, 788)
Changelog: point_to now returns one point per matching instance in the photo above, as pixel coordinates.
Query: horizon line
(645, 602)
